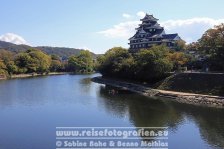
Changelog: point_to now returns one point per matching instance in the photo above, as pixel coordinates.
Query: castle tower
(150, 33)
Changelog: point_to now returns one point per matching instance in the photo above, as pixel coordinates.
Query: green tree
(153, 64)
(22, 60)
(55, 66)
(3, 68)
(112, 62)
(11, 67)
(147, 64)
(83, 63)
(40, 61)
(6, 56)
(181, 45)
(212, 44)
(178, 59)
(33, 61)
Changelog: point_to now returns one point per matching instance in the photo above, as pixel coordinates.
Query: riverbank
(188, 98)
(198, 83)
(35, 75)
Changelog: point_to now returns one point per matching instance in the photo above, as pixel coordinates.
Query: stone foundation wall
(189, 98)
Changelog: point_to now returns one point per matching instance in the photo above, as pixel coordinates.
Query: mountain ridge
(62, 52)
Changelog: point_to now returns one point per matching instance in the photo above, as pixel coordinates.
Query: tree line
(36, 61)
(211, 46)
(148, 64)
(154, 63)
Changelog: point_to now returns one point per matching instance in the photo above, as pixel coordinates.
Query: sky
(98, 25)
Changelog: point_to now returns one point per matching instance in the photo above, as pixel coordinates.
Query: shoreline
(33, 75)
(182, 97)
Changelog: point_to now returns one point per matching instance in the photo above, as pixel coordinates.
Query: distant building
(150, 33)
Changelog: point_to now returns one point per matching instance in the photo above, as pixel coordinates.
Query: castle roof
(150, 33)
(149, 18)
(170, 36)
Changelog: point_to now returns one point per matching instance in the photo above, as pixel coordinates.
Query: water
(32, 108)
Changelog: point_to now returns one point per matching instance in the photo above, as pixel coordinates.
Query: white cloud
(141, 14)
(13, 38)
(122, 30)
(84, 48)
(189, 29)
(125, 15)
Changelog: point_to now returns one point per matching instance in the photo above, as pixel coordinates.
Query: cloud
(84, 48)
(127, 16)
(13, 38)
(189, 29)
(141, 14)
(122, 30)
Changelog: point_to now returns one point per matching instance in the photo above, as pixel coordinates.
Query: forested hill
(62, 52)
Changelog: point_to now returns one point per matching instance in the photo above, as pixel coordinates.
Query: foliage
(33, 61)
(83, 63)
(3, 68)
(6, 56)
(153, 63)
(116, 61)
(11, 67)
(212, 44)
(148, 64)
(56, 66)
(181, 45)
(178, 59)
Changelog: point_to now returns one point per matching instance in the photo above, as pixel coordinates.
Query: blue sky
(101, 24)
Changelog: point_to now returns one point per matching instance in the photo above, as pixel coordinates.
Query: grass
(210, 84)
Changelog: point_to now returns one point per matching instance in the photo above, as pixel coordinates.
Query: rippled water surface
(32, 108)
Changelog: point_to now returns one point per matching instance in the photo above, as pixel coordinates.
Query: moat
(32, 108)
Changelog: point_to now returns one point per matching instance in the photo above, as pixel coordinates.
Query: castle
(150, 33)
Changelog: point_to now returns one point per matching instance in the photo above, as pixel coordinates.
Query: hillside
(201, 83)
(63, 52)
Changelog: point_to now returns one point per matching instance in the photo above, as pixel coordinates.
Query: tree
(33, 61)
(22, 60)
(212, 44)
(178, 59)
(6, 56)
(40, 61)
(83, 63)
(3, 68)
(112, 62)
(56, 64)
(180, 45)
(11, 67)
(147, 64)
(152, 64)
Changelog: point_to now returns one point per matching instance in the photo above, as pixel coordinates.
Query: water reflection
(146, 112)
(33, 107)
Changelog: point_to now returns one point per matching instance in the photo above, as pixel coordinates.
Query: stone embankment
(3, 77)
(189, 98)
(36, 75)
